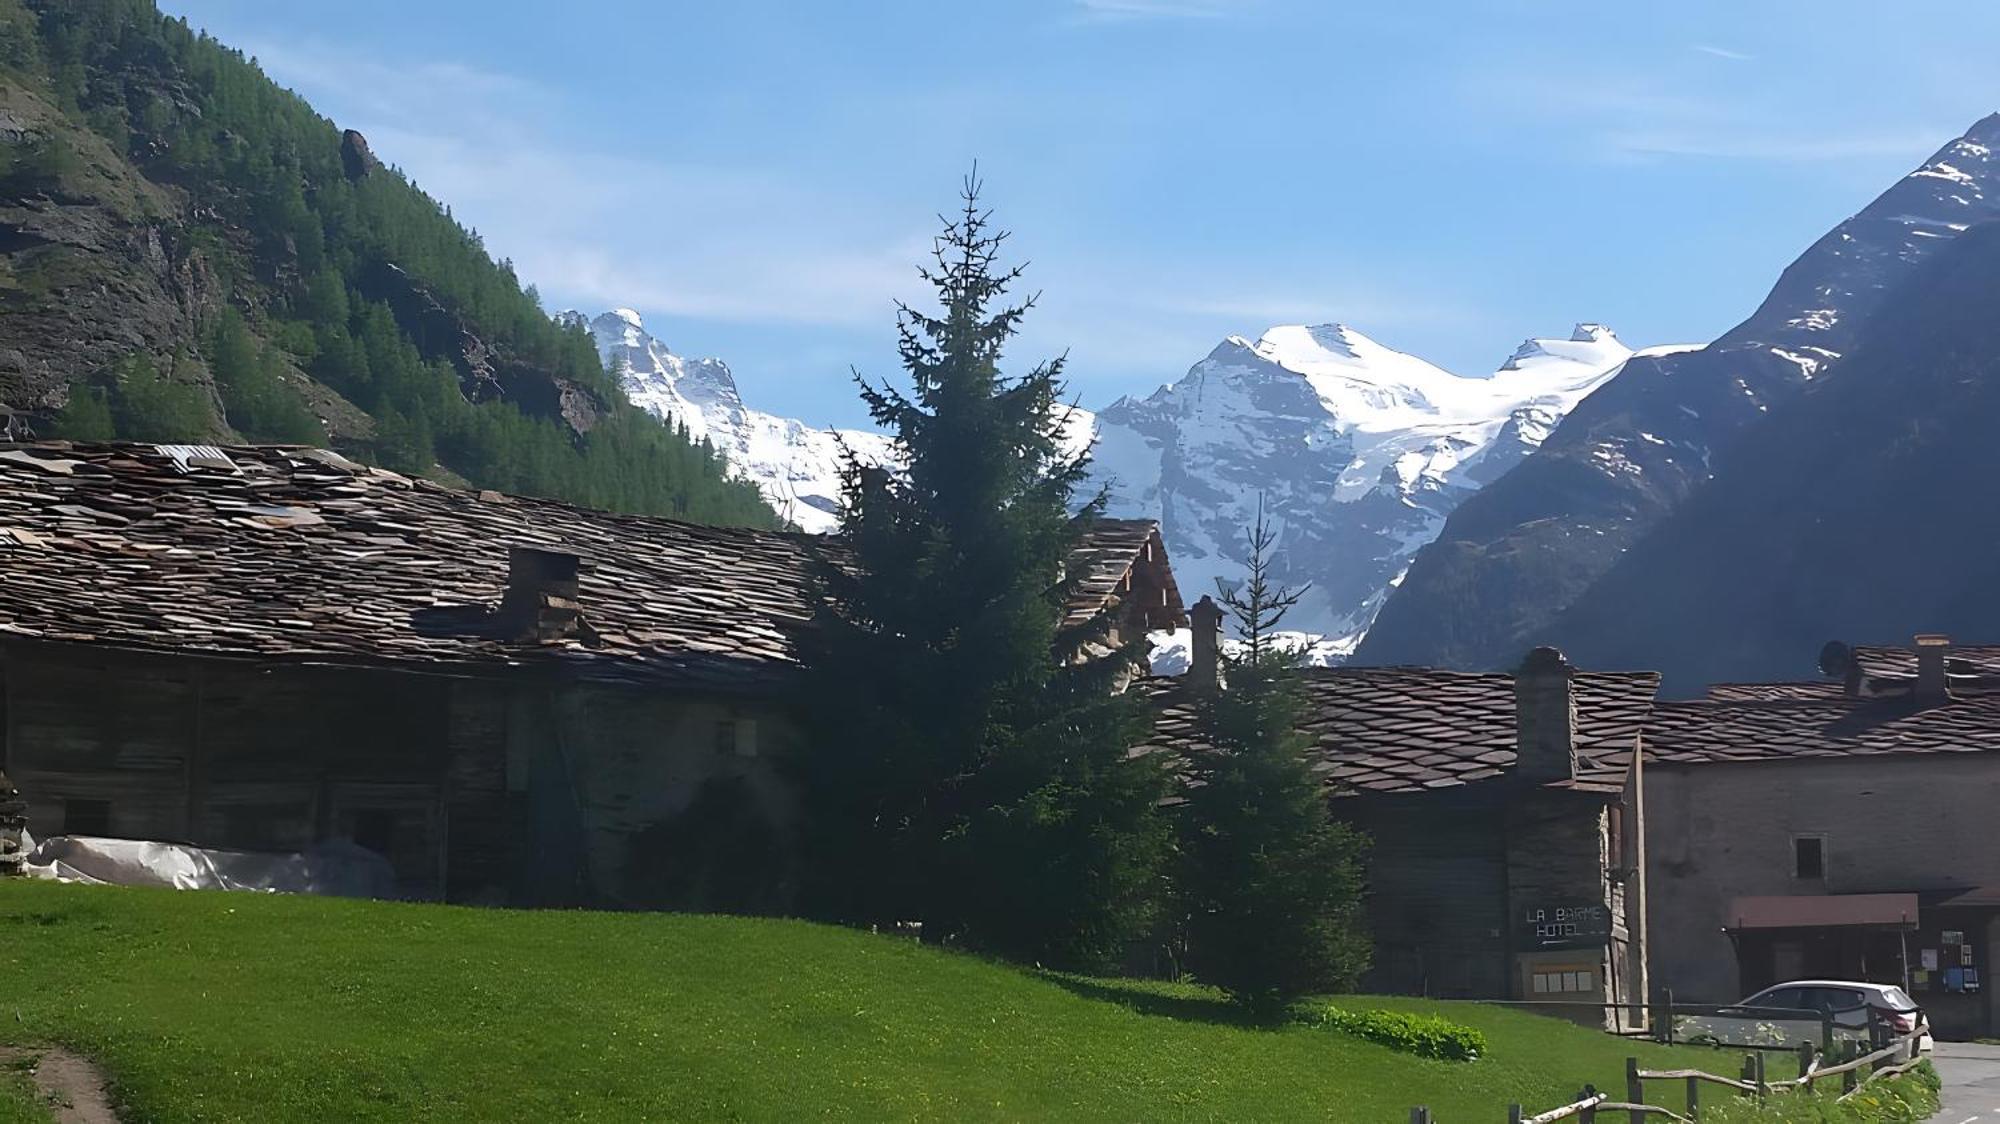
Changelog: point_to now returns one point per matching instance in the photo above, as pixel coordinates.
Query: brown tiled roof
(1766, 692)
(288, 554)
(1891, 662)
(1710, 730)
(1104, 565)
(1400, 729)
(1890, 670)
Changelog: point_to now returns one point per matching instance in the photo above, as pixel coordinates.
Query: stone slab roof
(1718, 730)
(298, 555)
(1401, 730)
(1767, 692)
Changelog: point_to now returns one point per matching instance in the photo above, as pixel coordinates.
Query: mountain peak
(1589, 343)
(629, 316)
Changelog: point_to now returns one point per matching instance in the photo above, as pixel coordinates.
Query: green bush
(1428, 1036)
(1906, 1099)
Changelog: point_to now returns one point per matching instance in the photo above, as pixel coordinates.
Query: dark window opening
(375, 829)
(725, 735)
(1809, 857)
(1616, 829)
(86, 817)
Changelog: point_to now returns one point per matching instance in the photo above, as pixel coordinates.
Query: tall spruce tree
(1271, 884)
(968, 768)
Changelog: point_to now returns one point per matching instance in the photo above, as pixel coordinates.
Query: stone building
(1835, 829)
(262, 648)
(1506, 814)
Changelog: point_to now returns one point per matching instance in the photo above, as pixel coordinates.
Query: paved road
(1971, 1083)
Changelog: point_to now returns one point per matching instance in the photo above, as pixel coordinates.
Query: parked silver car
(1851, 1004)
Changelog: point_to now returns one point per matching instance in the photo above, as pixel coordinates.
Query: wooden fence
(1844, 1063)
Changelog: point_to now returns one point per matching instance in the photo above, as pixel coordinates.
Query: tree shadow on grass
(1148, 1000)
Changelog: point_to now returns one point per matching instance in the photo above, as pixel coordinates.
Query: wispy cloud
(1723, 52)
(1772, 145)
(1622, 118)
(707, 250)
(1111, 11)
(746, 244)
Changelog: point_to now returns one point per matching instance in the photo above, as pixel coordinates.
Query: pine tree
(968, 769)
(1271, 884)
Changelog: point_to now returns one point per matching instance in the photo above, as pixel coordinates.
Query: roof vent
(1932, 652)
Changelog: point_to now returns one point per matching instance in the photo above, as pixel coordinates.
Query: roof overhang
(1821, 911)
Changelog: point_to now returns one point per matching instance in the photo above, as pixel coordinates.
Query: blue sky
(760, 179)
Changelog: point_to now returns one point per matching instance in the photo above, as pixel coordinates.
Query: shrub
(1428, 1036)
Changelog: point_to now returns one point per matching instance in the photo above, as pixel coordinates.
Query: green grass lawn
(210, 1006)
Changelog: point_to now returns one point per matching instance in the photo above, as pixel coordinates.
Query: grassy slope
(226, 1007)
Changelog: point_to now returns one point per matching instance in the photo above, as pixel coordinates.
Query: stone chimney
(1932, 652)
(1205, 663)
(1545, 717)
(540, 604)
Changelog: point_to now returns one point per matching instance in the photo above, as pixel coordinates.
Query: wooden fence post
(1420, 1115)
(1826, 1032)
(1763, 1087)
(1806, 1055)
(1513, 1114)
(1635, 1089)
(1589, 1114)
(1749, 1072)
(1694, 1098)
(1850, 1080)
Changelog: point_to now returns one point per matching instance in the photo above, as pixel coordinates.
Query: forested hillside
(189, 252)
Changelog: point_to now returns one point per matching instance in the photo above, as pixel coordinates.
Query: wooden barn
(1506, 816)
(263, 648)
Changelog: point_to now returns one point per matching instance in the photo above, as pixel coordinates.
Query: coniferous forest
(286, 285)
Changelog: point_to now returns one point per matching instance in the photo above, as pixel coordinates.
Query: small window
(1564, 982)
(1809, 857)
(736, 736)
(86, 817)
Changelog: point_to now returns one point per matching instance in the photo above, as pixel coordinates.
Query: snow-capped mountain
(796, 465)
(1358, 451)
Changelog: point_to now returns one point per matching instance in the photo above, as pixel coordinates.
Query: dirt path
(72, 1085)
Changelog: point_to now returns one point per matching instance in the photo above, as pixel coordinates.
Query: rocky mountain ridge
(1357, 451)
(1512, 559)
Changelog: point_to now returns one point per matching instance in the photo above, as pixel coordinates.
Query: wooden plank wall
(1437, 881)
(235, 755)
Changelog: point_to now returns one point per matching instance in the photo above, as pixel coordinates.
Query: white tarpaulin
(338, 868)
